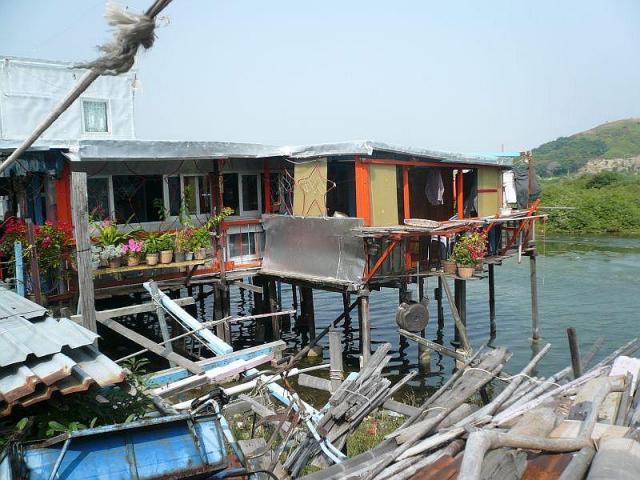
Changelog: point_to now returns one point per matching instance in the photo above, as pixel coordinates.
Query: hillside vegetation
(614, 140)
(606, 202)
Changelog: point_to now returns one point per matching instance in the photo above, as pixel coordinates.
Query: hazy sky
(464, 76)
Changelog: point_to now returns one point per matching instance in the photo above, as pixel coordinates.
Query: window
(242, 244)
(137, 199)
(95, 117)
(250, 193)
(242, 193)
(195, 190)
(230, 197)
(98, 190)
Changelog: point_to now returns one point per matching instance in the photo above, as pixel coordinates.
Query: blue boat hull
(170, 447)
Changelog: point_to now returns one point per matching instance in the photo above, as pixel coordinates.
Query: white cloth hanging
(508, 187)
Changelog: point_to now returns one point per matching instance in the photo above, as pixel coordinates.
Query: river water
(592, 284)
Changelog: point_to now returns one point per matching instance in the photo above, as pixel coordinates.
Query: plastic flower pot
(200, 254)
(179, 256)
(188, 256)
(133, 261)
(479, 265)
(166, 256)
(449, 266)
(465, 271)
(152, 258)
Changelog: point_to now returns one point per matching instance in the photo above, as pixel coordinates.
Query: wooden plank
(401, 408)
(132, 310)
(152, 346)
(310, 381)
(248, 286)
(140, 268)
(79, 202)
(432, 345)
(173, 374)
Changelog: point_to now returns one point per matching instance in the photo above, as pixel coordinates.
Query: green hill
(614, 140)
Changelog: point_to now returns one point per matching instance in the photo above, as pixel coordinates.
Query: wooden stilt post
(222, 307)
(258, 304)
(346, 301)
(535, 328)
(365, 327)
(420, 288)
(335, 359)
(492, 302)
(438, 295)
(460, 296)
(307, 311)
(272, 306)
(576, 363)
(294, 297)
(80, 214)
(424, 354)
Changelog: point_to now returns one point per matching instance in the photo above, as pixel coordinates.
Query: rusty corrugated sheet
(40, 355)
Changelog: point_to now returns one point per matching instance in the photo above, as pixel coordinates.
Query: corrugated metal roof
(43, 355)
(141, 150)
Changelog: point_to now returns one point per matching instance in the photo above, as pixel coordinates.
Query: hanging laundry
(508, 187)
(434, 188)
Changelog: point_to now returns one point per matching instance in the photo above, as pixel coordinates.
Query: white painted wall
(30, 89)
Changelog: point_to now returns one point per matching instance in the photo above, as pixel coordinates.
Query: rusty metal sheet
(32, 365)
(318, 249)
(546, 466)
(445, 468)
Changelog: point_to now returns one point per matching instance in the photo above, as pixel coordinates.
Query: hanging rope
(132, 31)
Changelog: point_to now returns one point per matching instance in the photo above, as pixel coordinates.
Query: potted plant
(200, 241)
(449, 265)
(133, 251)
(182, 244)
(166, 248)
(478, 248)
(151, 249)
(464, 260)
(112, 254)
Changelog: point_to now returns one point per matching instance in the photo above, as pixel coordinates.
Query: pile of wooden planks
(532, 427)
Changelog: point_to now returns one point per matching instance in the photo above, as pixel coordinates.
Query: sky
(467, 76)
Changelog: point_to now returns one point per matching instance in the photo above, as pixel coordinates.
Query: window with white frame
(195, 190)
(243, 193)
(245, 242)
(95, 116)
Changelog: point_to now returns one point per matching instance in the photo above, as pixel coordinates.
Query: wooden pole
(535, 328)
(460, 301)
(222, 307)
(365, 327)
(34, 268)
(346, 301)
(492, 301)
(80, 214)
(576, 363)
(438, 295)
(307, 311)
(335, 358)
(272, 306)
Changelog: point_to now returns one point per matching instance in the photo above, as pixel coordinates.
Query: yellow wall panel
(310, 189)
(489, 178)
(384, 195)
